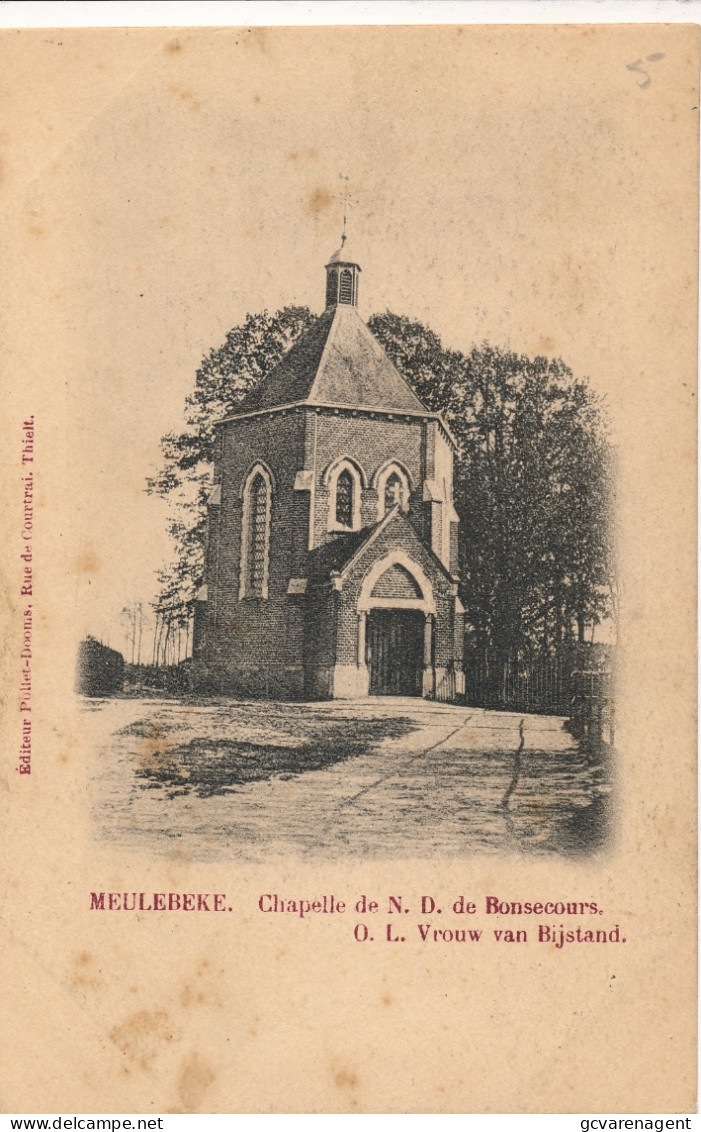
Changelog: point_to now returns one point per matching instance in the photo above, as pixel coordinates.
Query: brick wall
(260, 651)
(321, 620)
(287, 645)
(278, 442)
(370, 443)
(258, 643)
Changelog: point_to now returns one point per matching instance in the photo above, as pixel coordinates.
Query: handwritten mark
(638, 67)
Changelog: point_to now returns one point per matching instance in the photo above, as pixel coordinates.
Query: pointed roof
(334, 556)
(337, 361)
(343, 254)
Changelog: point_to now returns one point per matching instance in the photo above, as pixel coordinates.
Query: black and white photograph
(350, 566)
(385, 624)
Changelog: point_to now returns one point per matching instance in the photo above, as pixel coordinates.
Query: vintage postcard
(348, 565)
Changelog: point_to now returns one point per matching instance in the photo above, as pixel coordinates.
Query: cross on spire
(347, 203)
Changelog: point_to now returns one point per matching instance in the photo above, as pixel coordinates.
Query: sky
(509, 185)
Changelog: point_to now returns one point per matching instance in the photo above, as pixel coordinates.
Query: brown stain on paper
(141, 1036)
(85, 974)
(196, 996)
(194, 1081)
(346, 1080)
(202, 988)
(256, 39)
(87, 562)
(187, 96)
(309, 154)
(319, 201)
(155, 757)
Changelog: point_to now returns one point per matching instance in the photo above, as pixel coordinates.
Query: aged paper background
(202, 165)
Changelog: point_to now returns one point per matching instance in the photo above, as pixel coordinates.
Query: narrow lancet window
(393, 487)
(258, 544)
(255, 543)
(393, 491)
(344, 499)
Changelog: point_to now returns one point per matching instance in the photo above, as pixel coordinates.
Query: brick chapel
(331, 564)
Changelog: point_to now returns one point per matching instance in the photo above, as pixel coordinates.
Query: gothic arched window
(344, 480)
(393, 490)
(345, 485)
(255, 533)
(392, 484)
(257, 546)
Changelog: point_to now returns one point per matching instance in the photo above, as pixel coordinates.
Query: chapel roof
(339, 362)
(340, 554)
(332, 556)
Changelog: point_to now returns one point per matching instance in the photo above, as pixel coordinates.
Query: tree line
(534, 476)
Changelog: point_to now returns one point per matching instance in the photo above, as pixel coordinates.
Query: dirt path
(376, 778)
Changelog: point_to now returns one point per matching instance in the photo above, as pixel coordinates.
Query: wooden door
(394, 652)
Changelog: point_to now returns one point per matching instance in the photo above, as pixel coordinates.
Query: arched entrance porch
(396, 615)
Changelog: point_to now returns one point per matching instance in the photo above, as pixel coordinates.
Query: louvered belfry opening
(345, 291)
(342, 286)
(331, 288)
(342, 274)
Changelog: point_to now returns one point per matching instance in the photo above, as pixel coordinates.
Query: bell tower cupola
(342, 277)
